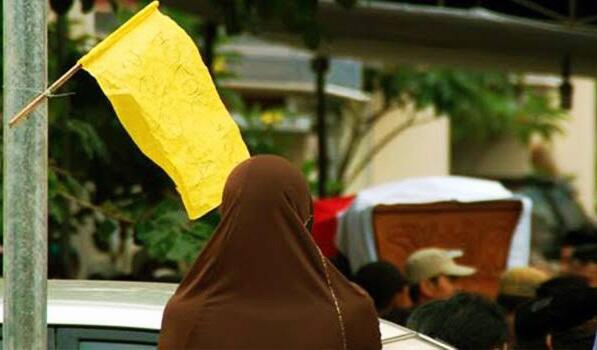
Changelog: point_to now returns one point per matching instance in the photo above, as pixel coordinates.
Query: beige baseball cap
(433, 262)
(522, 281)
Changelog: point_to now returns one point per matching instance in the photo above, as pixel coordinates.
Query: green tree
(97, 173)
(482, 107)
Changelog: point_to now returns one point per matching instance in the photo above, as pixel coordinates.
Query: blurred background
(385, 90)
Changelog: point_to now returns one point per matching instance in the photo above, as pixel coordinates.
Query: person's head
(433, 274)
(585, 235)
(584, 263)
(567, 284)
(383, 281)
(270, 185)
(562, 317)
(466, 321)
(518, 286)
(532, 324)
(574, 319)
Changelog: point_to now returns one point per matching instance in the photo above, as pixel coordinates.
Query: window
(89, 338)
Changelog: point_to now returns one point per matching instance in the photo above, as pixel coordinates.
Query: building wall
(82, 24)
(508, 157)
(574, 150)
(421, 150)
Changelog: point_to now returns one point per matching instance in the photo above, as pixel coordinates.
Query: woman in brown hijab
(261, 283)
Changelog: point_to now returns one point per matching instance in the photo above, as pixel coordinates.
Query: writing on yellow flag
(153, 75)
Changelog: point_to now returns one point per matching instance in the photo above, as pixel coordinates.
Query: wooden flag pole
(37, 100)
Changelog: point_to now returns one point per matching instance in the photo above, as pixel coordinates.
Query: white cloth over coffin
(355, 238)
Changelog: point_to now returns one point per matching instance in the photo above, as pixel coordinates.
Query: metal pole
(320, 66)
(566, 88)
(25, 176)
(210, 32)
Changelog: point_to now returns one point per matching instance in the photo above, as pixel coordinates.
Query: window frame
(70, 337)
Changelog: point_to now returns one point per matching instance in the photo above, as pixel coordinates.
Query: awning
(475, 37)
(273, 69)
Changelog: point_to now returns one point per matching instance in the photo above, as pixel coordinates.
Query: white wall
(421, 150)
(574, 150)
(503, 158)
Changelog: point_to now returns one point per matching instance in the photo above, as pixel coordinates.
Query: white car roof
(106, 303)
(140, 305)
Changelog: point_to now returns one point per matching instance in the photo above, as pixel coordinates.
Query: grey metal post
(321, 65)
(210, 34)
(25, 176)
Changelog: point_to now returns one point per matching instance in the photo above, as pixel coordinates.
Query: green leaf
(106, 228)
(168, 235)
(89, 139)
(58, 210)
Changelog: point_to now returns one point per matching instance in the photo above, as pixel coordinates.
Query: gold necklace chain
(336, 303)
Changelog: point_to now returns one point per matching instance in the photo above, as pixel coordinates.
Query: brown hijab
(261, 283)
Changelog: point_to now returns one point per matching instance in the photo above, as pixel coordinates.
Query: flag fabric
(153, 75)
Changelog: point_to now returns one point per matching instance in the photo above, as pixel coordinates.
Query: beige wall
(574, 150)
(504, 158)
(82, 24)
(421, 150)
(295, 146)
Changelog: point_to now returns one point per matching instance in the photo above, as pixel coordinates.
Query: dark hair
(577, 338)
(511, 302)
(421, 318)
(566, 308)
(567, 284)
(534, 344)
(382, 281)
(571, 310)
(532, 323)
(585, 253)
(340, 261)
(414, 290)
(466, 321)
(580, 236)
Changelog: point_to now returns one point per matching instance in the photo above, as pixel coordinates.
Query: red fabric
(325, 222)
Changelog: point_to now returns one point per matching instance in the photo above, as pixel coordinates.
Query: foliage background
(97, 173)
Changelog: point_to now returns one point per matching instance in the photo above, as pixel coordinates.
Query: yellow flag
(153, 75)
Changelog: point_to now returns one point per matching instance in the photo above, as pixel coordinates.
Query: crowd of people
(532, 310)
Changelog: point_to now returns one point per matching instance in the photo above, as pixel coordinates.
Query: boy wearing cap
(433, 274)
